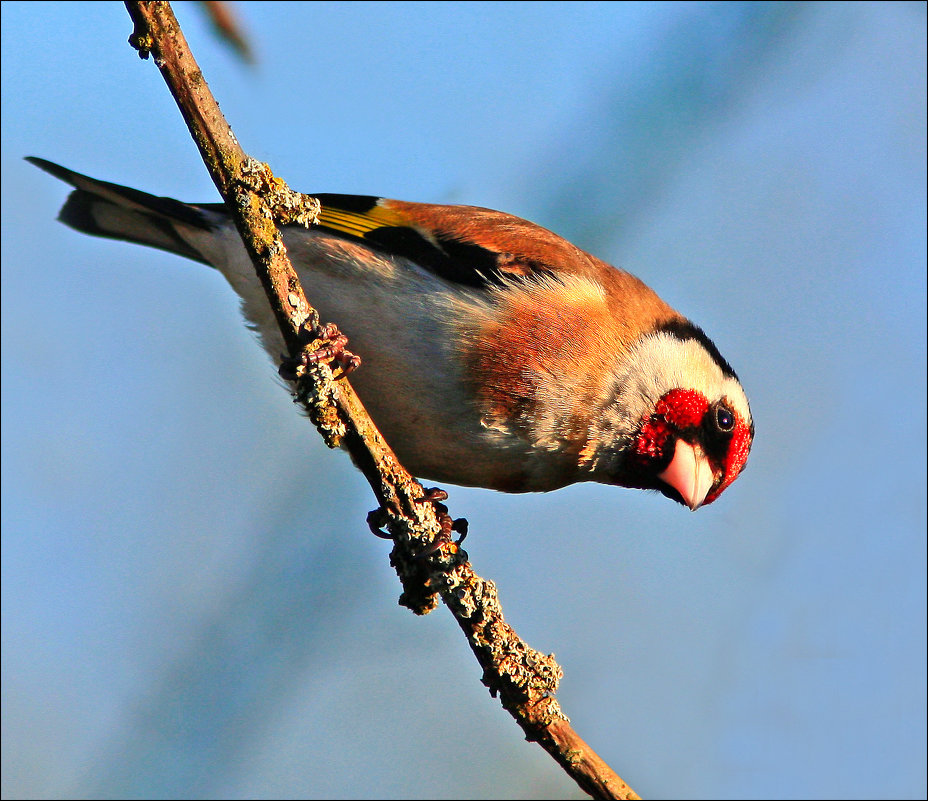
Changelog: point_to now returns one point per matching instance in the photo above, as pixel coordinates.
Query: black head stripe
(683, 330)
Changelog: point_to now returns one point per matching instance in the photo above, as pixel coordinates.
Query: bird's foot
(322, 343)
(444, 541)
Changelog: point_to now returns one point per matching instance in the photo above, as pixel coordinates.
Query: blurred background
(192, 604)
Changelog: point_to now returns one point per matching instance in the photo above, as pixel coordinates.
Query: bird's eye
(724, 419)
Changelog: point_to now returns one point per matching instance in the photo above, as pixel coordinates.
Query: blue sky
(192, 604)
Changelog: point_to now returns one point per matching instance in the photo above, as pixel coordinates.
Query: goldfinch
(495, 353)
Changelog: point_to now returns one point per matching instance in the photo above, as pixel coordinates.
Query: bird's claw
(443, 540)
(378, 518)
(322, 343)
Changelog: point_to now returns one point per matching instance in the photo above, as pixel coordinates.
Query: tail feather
(109, 210)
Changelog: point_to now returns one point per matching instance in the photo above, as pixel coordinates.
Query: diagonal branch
(524, 679)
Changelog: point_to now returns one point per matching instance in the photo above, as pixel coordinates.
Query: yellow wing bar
(358, 223)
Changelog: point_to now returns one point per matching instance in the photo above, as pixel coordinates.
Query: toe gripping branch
(320, 344)
(422, 557)
(444, 541)
(378, 518)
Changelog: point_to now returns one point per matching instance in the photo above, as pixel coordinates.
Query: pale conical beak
(689, 473)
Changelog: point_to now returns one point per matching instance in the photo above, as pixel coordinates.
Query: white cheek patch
(660, 362)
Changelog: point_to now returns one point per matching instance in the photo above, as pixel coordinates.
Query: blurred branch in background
(227, 25)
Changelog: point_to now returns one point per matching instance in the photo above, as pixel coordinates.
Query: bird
(494, 352)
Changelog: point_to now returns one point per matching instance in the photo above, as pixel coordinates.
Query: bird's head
(690, 448)
(679, 420)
